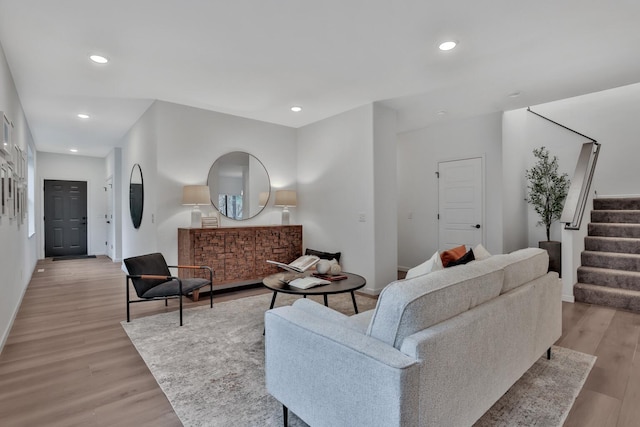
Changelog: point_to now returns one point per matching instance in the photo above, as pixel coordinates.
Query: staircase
(610, 271)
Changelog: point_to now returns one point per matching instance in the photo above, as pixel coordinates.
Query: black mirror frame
(136, 197)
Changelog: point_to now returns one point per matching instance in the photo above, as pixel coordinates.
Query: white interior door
(460, 203)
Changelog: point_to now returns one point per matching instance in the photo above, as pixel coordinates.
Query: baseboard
(370, 291)
(568, 298)
(5, 334)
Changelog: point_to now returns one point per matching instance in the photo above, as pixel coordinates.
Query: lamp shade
(263, 198)
(196, 195)
(286, 198)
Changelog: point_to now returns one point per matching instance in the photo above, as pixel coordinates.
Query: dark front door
(65, 218)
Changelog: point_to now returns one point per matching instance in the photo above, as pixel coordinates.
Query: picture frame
(10, 192)
(6, 144)
(4, 204)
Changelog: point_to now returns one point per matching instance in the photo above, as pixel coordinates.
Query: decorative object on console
(210, 221)
(196, 196)
(286, 199)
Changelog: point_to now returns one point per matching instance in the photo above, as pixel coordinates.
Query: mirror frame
(212, 188)
(136, 217)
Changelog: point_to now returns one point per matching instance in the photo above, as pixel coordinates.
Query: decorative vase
(554, 249)
(323, 266)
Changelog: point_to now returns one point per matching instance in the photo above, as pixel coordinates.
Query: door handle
(475, 226)
(108, 222)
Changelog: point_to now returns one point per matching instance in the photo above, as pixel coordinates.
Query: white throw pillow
(432, 264)
(480, 253)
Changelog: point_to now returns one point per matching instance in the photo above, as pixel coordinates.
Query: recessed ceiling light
(442, 113)
(448, 45)
(514, 94)
(296, 109)
(83, 116)
(98, 59)
(73, 150)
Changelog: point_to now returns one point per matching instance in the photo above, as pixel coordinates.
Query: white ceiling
(257, 58)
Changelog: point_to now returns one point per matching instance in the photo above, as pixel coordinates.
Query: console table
(238, 255)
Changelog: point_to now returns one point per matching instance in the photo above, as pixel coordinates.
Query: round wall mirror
(136, 195)
(239, 185)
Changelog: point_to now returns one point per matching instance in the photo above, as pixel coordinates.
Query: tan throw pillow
(452, 254)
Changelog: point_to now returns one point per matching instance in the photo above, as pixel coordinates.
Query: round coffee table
(277, 283)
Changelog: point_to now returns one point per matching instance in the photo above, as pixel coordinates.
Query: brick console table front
(238, 255)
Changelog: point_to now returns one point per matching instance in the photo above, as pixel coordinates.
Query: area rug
(212, 368)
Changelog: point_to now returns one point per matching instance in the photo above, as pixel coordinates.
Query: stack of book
(209, 222)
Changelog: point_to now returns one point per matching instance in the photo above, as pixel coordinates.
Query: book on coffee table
(300, 265)
(329, 277)
(308, 282)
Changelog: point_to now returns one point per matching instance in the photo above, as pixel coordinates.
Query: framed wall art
(3, 190)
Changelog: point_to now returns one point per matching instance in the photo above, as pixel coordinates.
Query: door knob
(475, 226)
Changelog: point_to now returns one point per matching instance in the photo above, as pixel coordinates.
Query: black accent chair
(153, 281)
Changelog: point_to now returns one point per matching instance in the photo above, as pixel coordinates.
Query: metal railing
(576, 201)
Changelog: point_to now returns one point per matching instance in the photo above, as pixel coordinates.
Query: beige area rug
(212, 368)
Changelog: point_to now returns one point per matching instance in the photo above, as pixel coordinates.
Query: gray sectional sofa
(438, 350)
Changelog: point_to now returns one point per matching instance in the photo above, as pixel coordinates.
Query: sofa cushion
(520, 266)
(432, 264)
(452, 254)
(480, 253)
(407, 306)
(464, 259)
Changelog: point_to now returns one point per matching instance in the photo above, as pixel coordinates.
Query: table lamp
(196, 196)
(286, 199)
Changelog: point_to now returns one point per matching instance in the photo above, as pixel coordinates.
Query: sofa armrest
(330, 374)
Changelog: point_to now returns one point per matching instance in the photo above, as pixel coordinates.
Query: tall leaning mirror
(136, 195)
(239, 185)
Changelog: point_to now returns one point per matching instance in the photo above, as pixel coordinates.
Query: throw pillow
(324, 255)
(480, 252)
(452, 254)
(432, 264)
(468, 257)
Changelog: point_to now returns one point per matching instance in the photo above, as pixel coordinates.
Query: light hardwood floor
(68, 362)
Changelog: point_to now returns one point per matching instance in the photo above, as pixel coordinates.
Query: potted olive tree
(546, 192)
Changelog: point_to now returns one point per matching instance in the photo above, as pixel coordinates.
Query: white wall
(610, 117)
(18, 253)
(75, 168)
(176, 146)
(419, 153)
(337, 160)
(514, 207)
(385, 185)
(113, 166)
(140, 146)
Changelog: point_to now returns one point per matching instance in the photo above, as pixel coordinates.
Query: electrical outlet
(362, 217)
(410, 216)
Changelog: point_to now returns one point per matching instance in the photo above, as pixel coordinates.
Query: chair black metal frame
(166, 279)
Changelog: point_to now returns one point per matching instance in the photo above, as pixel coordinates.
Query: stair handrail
(576, 201)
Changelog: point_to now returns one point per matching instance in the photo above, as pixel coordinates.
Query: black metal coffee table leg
(273, 300)
(353, 298)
